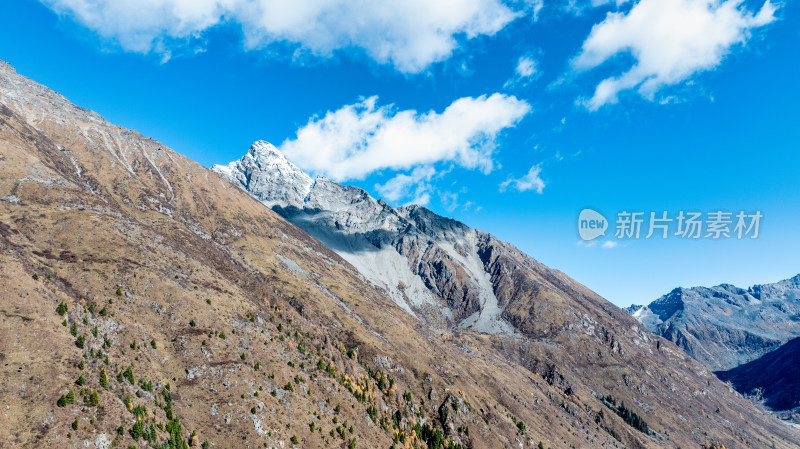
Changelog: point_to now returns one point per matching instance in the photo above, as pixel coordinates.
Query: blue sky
(511, 117)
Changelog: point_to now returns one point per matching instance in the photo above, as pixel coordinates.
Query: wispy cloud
(362, 138)
(526, 67)
(531, 7)
(415, 185)
(608, 244)
(409, 34)
(530, 181)
(670, 40)
(526, 70)
(449, 201)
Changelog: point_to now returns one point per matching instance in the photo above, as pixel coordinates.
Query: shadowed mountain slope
(773, 377)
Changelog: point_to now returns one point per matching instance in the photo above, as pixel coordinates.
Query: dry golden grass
(156, 258)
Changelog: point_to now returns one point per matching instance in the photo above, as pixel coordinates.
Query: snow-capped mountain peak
(263, 149)
(266, 174)
(435, 268)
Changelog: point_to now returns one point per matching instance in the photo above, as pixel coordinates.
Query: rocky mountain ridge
(268, 176)
(725, 326)
(433, 267)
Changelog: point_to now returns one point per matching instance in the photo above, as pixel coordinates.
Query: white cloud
(598, 3)
(531, 181)
(527, 70)
(449, 201)
(362, 138)
(416, 184)
(526, 67)
(670, 40)
(421, 200)
(531, 7)
(409, 34)
(608, 244)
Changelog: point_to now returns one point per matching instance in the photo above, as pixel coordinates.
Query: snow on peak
(266, 174)
(409, 252)
(263, 150)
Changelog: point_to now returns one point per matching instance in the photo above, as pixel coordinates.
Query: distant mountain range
(747, 336)
(726, 326)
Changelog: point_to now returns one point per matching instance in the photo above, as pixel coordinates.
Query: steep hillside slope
(726, 326)
(146, 301)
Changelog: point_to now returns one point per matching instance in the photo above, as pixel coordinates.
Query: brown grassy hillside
(146, 302)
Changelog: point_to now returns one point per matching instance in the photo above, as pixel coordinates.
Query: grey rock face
(430, 265)
(268, 176)
(726, 326)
